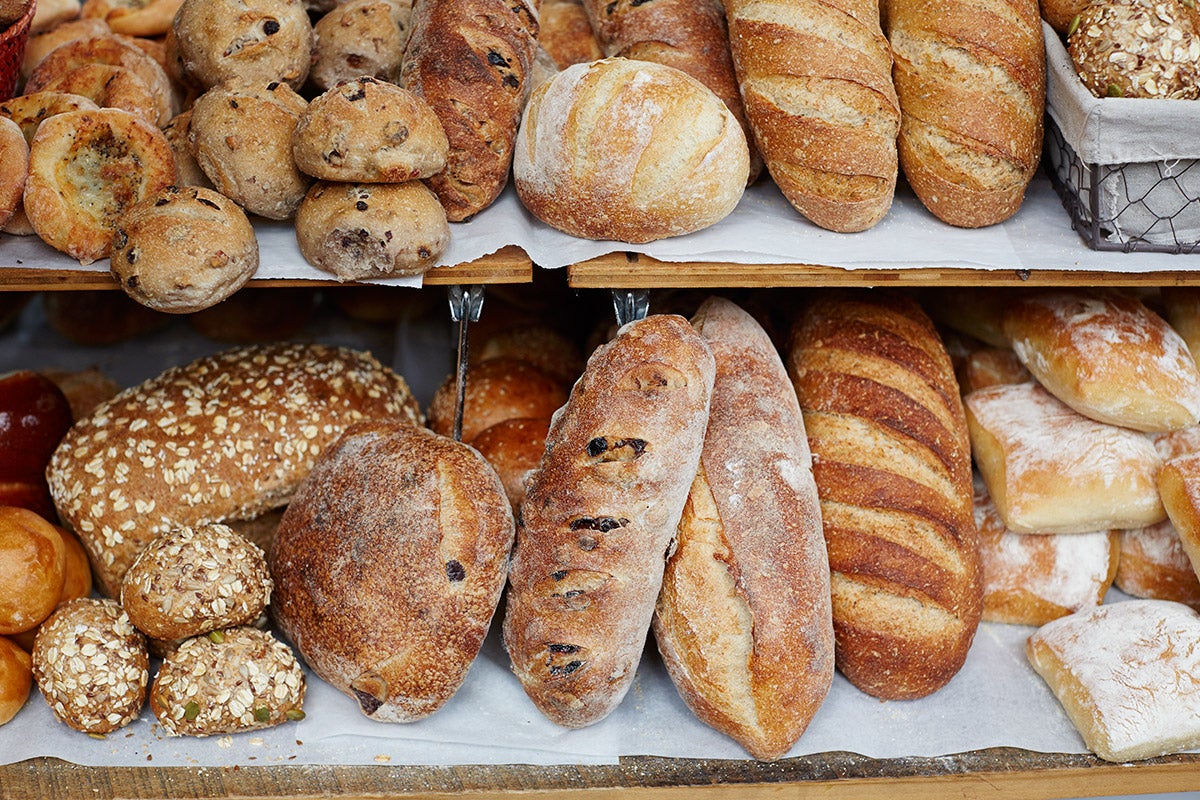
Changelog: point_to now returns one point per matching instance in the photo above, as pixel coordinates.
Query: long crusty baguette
(599, 516)
(471, 60)
(743, 622)
(893, 467)
(816, 79)
(971, 78)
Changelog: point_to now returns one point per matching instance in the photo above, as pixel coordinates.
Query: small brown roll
(14, 153)
(255, 41)
(360, 37)
(16, 678)
(497, 389)
(514, 448)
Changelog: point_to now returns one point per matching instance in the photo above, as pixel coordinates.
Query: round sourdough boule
(33, 562)
(134, 17)
(629, 150)
(361, 37)
(411, 616)
(42, 43)
(369, 131)
(116, 51)
(91, 665)
(16, 678)
(113, 87)
(30, 110)
(190, 581)
(188, 172)
(497, 389)
(251, 421)
(241, 135)
(253, 40)
(85, 169)
(14, 155)
(234, 680)
(183, 250)
(371, 230)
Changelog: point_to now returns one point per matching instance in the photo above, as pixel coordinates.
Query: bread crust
(1154, 564)
(111, 49)
(30, 110)
(599, 517)
(254, 41)
(16, 678)
(14, 154)
(497, 389)
(134, 17)
(361, 37)
(42, 42)
(114, 87)
(566, 33)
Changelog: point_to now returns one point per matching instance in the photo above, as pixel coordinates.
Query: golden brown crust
(188, 172)
(566, 33)
(599, 516)
(134, 17)
(16, 678)
(113, 87)
(254, 41)
(32, 567)
(471, 60)
(53, 13)
(1154, 564)
(893, 467)
(497, 389)
(514, 448)
(43, 42)
(113, 50)
(1179, 487)
(29, 110)
(401, 648)
(14, 154)
(265, 414)
(361, 37)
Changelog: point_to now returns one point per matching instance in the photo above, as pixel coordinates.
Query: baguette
(600, 516)
(743, 622)
(893, 468)
(816, 79)
(971, 78)
(471, 60)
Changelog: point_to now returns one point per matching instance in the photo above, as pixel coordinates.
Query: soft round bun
(514, 448)
(30, 110)
(1137, 48)
(16, 678)
(257, 41)
(369, 131)
(14, 155)
(361, 37)
(629, 150)
(43, 42)
(371, 230)
(183, 249)
(134, 17)
(241, 135)
(32, 566)
(114, 87)
(77, 577)
(497, 389)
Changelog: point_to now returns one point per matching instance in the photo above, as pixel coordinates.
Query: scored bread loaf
(893, 468)
(599, 517)
(971, 78)
(226, 437)
(471, 61)
(743, 621)
(816, 79)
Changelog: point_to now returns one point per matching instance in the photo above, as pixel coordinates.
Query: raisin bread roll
(817, 84)
(971, 79)
(743, 622)
(893, 468)
(600, 515)
(256, 41)
(471, 59)
(360, 38)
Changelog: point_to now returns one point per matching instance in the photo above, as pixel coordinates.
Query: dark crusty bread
(389, 564)
(226, 437)
(893, 467)
(600, 515)
(971, 78)
(471, 59)
(743, 622)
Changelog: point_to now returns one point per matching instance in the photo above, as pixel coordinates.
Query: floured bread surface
(1108, 356)
(1127, 674)
(1050, 469)
(1155, 565)
(1179, 487)
(629, 150)
(85, 169)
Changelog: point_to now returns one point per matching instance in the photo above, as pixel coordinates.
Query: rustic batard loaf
(744, 623)
(893, 467)
(599, 517)
(816, 79)
(410, 532)
(971, 78)
(226, 437)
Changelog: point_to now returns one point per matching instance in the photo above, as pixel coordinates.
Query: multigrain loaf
(816, 79)
(226, 437)
(743, 621)
(599, 517)
(971, 79)
(892, 463)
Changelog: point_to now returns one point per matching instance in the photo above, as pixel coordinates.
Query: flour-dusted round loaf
(226, 437)
(252, 40)
(629, 150)
(389, 564)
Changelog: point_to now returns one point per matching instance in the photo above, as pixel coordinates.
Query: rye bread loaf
(226, 437)
(389, 564)
(600, 515)
(743, 622)
(892, 463)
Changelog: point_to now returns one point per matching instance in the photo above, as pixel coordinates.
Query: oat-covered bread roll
(471, 60)
(361, 37)
(629, 150)
(389, 564)
(1106, 355)
(183, 249)
(369, 131)
(262, 416)
(371, 230)
(85, 169)
(892, 462)
(599, 517)
(971, 79)
(241, 135)
(256, 41)
(1138, 48)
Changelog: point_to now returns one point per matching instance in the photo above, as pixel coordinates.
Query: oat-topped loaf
(226, 437)
(1137, 48)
